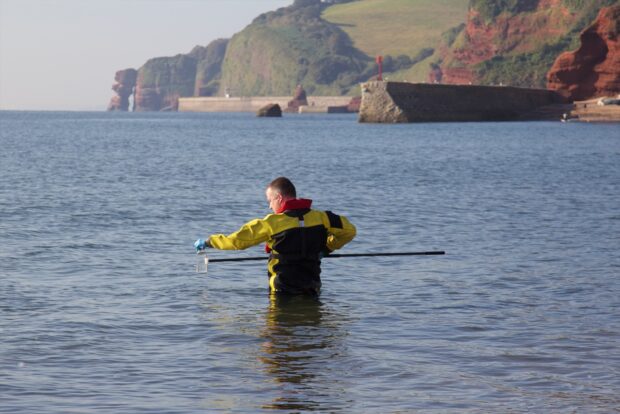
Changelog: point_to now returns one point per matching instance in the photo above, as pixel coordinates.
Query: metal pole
(336, 256)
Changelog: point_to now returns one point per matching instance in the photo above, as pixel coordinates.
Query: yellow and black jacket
(296, 238)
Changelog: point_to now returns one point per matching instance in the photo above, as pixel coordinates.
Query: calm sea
(101, 310)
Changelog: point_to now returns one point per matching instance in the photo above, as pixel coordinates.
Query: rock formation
(593, 70)
(209, 67)
(299, 99)
(124, 87)
(512, 43)
(270, 110)
(161, 81)
(483, 39)
(354, 104)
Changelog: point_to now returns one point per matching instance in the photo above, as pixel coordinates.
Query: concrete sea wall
(254, 103)
(394, 102)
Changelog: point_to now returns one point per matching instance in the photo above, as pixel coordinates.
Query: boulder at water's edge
(270, 110)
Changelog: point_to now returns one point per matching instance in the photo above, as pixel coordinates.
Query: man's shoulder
(271, 217)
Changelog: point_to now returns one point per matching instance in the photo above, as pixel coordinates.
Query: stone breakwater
(254, 103)
(394, 102)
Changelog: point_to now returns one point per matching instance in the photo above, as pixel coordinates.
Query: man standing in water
(297, 239)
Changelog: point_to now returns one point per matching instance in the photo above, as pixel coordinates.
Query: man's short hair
(284, 187)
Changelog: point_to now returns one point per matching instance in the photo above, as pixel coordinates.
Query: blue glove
(201, 244)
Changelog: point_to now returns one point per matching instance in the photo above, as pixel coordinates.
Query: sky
(63, 54)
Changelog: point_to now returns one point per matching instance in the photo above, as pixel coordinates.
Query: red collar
(292, 204)
(295, 204)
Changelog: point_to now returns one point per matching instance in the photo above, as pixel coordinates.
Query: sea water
(102, 311)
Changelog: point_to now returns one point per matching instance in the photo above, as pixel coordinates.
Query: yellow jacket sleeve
(250, 234)
(338, 237)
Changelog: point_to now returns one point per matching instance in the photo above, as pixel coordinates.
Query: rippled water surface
(101, 310)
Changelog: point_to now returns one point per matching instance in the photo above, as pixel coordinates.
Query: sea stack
(124, 88)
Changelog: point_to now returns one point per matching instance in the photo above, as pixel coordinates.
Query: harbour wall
(254, 103)
(395, 102)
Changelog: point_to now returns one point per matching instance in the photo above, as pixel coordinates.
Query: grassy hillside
(395, 27)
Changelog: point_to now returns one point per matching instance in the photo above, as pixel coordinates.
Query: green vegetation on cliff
(209, 66)
(525, 70)
(529, 68)
(161, 81)
(169, 73)
(489, 9)
(292, 46)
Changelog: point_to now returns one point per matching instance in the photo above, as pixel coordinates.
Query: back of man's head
(284, 187)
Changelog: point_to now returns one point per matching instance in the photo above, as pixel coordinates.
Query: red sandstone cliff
(594, 69)
(509, 35)
(124, 87)
(158, 84)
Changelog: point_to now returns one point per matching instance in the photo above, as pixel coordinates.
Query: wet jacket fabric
(295, 238)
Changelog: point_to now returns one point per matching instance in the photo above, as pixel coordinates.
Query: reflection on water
(303, 343)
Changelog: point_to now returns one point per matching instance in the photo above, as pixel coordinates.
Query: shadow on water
(303, 345)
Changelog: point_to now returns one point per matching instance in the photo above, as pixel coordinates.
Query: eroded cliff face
(515, 47)
(160, 82)
(593, 69)
(507, 34)
(124, 88)
(209, 65)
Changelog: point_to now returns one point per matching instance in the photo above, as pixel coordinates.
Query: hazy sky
(63, 54)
